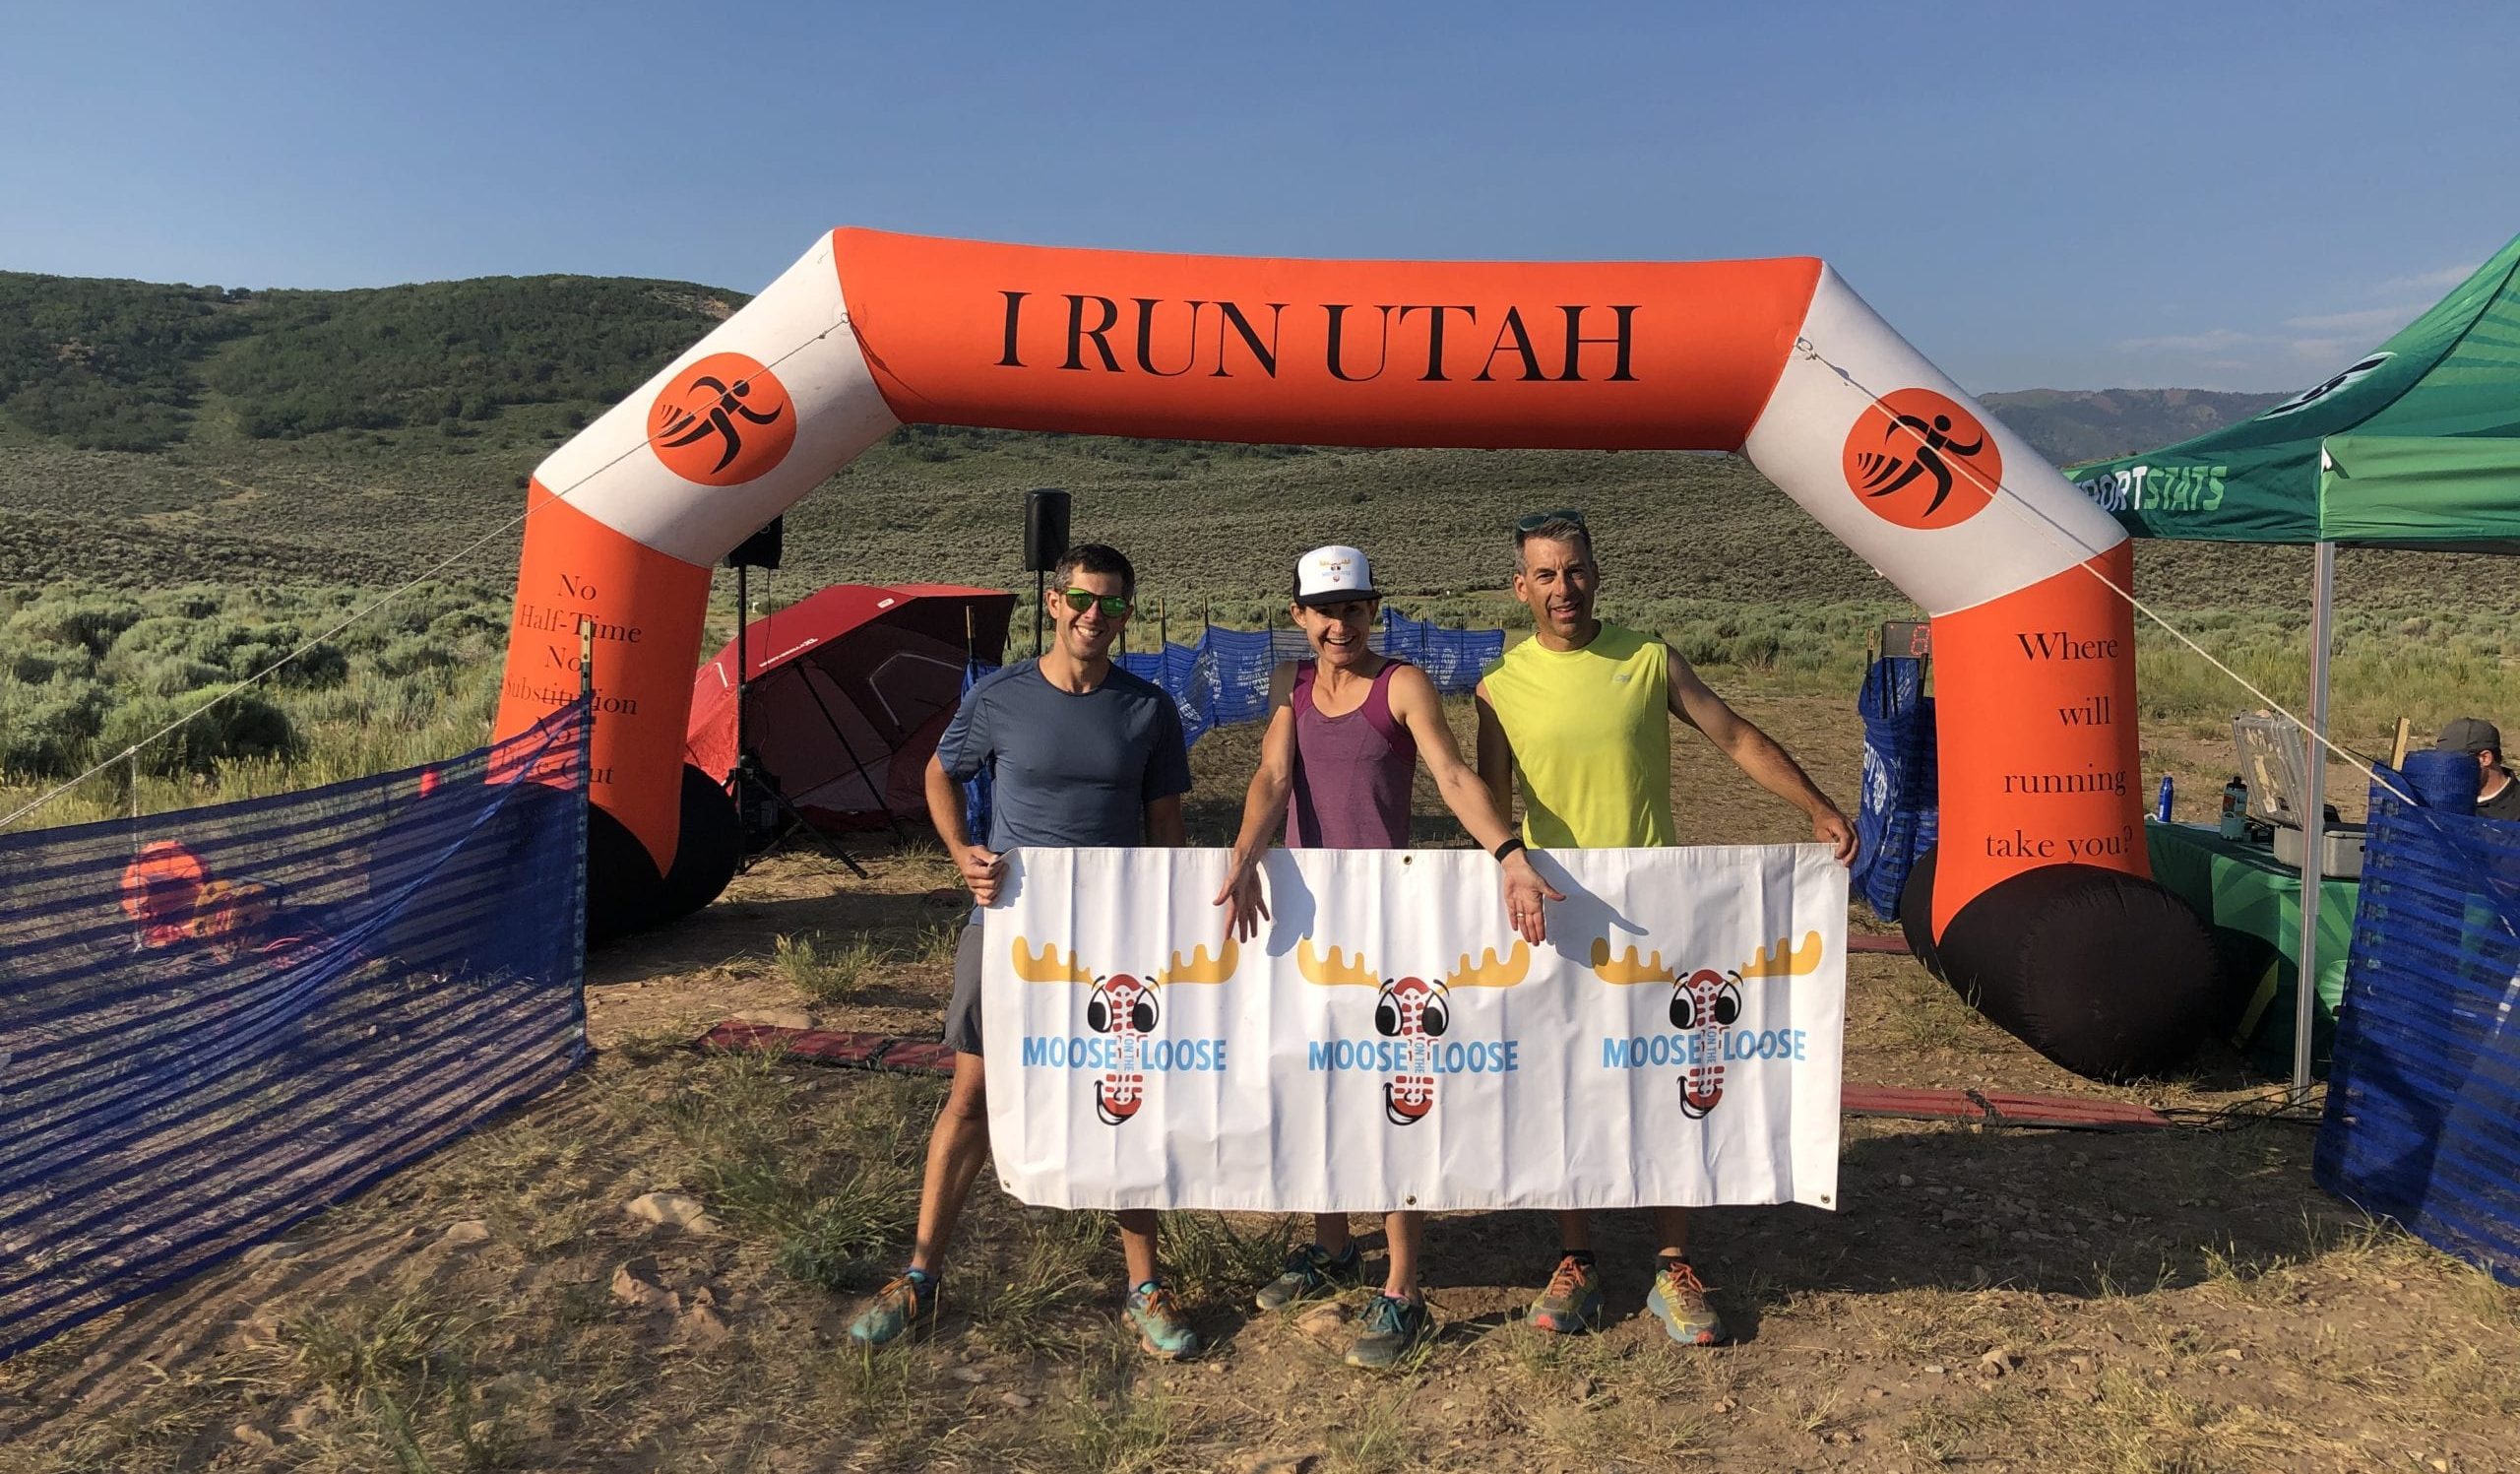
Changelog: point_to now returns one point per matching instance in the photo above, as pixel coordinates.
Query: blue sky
(2207, 194)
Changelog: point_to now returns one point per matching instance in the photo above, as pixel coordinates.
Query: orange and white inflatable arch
(1778, 359)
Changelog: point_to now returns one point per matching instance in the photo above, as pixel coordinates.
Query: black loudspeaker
(762, 549)
(1044, 528)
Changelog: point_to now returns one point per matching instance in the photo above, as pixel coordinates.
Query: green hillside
(132, 366)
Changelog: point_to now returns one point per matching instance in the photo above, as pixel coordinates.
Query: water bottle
(2160, 805)
(2235, 808)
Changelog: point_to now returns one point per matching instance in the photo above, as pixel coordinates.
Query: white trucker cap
(1334, 575)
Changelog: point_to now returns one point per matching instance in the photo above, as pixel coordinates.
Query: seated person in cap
(2497, 797)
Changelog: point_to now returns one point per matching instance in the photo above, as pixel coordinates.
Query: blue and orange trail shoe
(1161, 1330)
(1572, 1303)
(1312, 1272)
(1678, 1298)
(901, 1305)
(1392, 1329)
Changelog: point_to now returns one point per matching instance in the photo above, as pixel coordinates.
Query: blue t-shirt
(1069, 769)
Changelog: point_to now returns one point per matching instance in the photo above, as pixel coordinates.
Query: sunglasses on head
(1114, 605)
(1523, 526)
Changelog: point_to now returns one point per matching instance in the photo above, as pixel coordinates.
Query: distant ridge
(100, 364)
(2074, 426)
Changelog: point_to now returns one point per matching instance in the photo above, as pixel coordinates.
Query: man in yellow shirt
(1576, 717)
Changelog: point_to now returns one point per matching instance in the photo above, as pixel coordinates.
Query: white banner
(1388, 1043)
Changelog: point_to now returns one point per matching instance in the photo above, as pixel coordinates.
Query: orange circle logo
(723, 421)
(1922, 460)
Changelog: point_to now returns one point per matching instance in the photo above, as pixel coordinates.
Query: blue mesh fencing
(1224, 678)
(1452, 658)
(1900, 813)
(980, 789)
(216, 1022)
(2423, 1119)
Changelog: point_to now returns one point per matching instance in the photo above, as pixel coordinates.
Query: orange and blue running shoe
(1679, 1298)
(1572, 1303)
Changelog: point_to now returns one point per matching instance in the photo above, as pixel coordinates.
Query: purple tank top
(1352, 772)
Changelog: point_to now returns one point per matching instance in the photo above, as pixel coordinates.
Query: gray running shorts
(963, 1011)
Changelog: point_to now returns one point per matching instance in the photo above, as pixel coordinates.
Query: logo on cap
(1328, 575)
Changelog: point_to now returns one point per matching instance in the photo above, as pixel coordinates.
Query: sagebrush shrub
(47, 730)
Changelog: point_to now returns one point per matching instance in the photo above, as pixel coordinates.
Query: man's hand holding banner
(1388, 1043)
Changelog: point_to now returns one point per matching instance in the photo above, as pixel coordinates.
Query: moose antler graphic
(1782, 963)
(1491, 973)
(1707, 1005)
(1049, 967)
(1627, 970)
(1201, 968)
(1127, 1010)
(1338, 971)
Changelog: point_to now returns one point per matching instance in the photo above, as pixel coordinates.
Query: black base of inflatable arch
(2106, 975)
(624, 892)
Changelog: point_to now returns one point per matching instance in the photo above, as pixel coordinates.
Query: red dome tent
(850, 690)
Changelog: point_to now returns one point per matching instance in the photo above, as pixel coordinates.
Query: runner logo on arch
(723, 421)
(1922, 460)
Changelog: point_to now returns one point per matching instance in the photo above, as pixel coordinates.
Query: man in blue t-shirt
(1081, 754)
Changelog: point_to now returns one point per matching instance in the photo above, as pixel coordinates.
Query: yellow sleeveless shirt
(1591, 737)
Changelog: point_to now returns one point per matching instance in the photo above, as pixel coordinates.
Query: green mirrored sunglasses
(1114, 605)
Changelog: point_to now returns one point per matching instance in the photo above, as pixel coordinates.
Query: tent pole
(743, 616)
(2313, 818)
(849, 748)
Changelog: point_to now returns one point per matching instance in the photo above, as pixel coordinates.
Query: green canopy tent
(2415, 444)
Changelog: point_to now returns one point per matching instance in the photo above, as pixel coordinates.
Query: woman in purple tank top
(1346, 731)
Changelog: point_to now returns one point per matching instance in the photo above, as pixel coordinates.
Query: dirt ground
(1984, 1298)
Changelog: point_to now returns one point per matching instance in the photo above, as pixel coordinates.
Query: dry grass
(824, 972)
(1982, 1299)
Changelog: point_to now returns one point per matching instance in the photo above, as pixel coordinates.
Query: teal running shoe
(1392, 1329)
(1312, 1272)
(900, 1305)
(1162, 1331)
(1678, 1298)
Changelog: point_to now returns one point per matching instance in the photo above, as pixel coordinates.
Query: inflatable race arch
(2041, 853)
